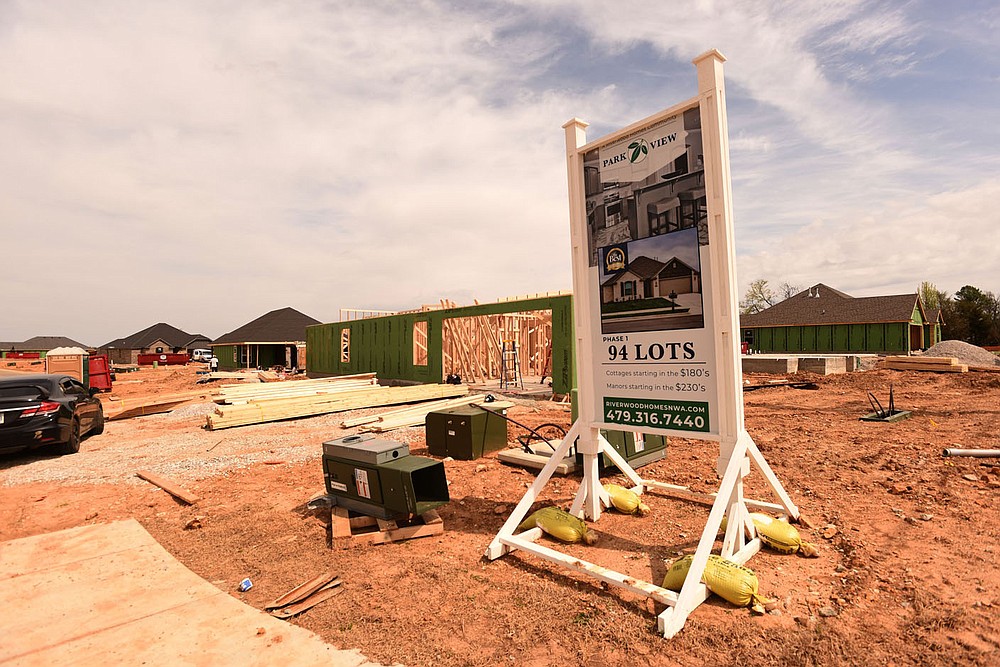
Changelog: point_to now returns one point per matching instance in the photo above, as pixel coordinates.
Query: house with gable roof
(825, 320)
(38, 345)
(277, 338)
(646, 278)
(160, 338)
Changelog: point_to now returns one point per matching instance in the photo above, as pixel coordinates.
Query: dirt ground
(908, 539)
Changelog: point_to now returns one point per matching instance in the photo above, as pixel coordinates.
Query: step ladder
(510, 365)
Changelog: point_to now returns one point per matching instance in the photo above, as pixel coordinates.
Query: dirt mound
(964, 352)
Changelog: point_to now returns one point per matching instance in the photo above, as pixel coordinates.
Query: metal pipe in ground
(977, 453)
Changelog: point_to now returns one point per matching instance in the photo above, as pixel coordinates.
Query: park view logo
(615, 258)
(637, 151)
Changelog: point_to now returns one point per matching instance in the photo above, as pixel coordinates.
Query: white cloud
(202, 164)
(950, 239)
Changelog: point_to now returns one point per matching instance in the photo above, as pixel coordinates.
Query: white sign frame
(736, 448)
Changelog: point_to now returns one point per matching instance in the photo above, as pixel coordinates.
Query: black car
(40, 410)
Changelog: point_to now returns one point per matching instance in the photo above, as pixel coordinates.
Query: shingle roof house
(823, 319)
(277, 338)
(40, 344)
(156, 339)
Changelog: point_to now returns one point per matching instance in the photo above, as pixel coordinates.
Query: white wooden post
(589, 444)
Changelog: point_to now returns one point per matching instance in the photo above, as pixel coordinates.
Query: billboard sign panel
(650, 277)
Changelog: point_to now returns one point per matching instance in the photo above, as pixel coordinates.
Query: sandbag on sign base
(734, 583)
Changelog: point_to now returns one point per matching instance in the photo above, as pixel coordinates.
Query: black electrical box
(465, 433)
(379, 477)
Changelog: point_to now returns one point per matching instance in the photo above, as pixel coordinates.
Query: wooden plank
(418, 416)
(944, 361)
(273, 410)
(340, 522)
(301, 592)
(148, 408)
(168, 486)
(132, 603)
(536, 461)
(387, 530)
(933, 368)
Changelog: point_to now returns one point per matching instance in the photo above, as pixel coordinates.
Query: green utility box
(379, 477)
(465, 433)
(636, 454)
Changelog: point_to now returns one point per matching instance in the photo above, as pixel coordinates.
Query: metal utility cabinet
(465, 433)
(379, 477)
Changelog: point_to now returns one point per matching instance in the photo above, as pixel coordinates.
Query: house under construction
(478, 343)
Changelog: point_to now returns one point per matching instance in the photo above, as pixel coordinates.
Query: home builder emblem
(615, 259)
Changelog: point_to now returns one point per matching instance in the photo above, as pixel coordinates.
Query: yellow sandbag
(626, 500)
(559, 524)
(735, 583)
(781, 536)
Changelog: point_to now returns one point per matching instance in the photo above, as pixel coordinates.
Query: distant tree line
(971, 314)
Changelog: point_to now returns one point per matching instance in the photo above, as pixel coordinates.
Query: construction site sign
(649, 277)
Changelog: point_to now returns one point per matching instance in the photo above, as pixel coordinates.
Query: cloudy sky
(201, 163)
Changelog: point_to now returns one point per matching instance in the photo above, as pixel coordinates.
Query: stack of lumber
(234, 394)
(251, 376)
(415, 415)
(935, 364)
(126, 408)
(276, 409)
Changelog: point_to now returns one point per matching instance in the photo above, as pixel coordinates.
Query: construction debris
(781, 383)
(305, 596)
(116, 408)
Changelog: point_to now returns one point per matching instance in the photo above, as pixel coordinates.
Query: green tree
(977, 315)
(931, 296)
(973, 316)
(758, 297)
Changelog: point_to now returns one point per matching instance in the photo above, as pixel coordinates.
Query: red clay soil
(908, 540)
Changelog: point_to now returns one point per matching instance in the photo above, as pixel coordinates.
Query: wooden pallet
(362, 529)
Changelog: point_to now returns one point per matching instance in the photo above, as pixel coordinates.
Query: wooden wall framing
(472, 346)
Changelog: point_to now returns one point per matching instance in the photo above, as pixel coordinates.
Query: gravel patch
(964, 352)
(175, 447)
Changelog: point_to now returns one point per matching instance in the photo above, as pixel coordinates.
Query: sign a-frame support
(723, 408)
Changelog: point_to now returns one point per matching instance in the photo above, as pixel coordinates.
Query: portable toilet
(72, 361)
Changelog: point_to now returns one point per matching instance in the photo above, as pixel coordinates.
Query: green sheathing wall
(880, 338)
(384, 345)
(932, 334)
(225, 355)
